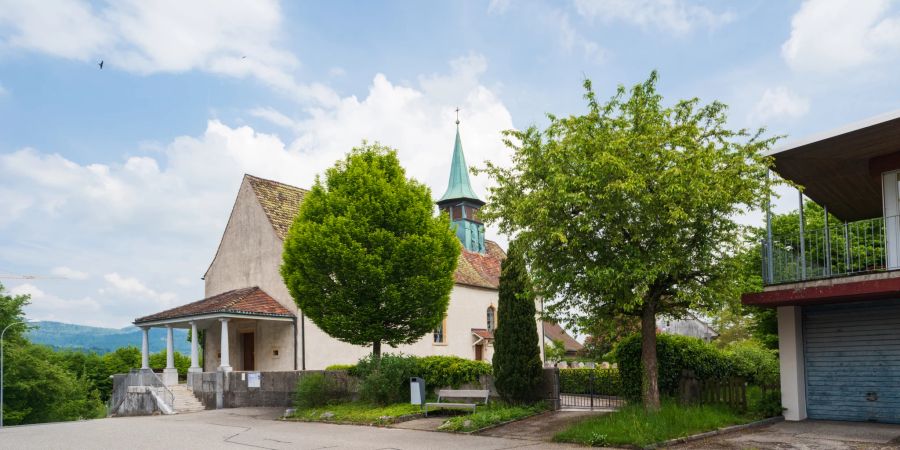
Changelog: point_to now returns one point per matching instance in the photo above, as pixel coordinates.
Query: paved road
(241, 427)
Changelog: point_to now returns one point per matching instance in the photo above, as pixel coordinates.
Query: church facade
(251, 323)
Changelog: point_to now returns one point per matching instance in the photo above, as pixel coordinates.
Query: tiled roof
(555, 332)
(251, 300)
(483, 333)
(281, 202)
(482, 270)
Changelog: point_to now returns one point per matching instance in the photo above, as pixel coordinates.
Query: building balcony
(838, 250)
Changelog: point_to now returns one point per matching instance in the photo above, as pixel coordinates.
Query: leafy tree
(39, 387)
(366, 259)
(517, 358)
(629, 208)
(603, 334)
(555, 352)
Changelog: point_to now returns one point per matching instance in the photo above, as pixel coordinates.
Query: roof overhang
(186, 320)
(841, 169)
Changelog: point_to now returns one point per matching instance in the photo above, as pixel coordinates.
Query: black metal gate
(589, 389)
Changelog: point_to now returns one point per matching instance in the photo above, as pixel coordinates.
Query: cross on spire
(457, 115)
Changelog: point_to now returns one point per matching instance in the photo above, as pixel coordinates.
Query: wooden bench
(445, 394)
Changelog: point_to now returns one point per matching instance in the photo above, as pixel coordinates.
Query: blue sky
(121, 179)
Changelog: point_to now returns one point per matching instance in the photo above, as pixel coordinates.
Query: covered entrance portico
(243, 329)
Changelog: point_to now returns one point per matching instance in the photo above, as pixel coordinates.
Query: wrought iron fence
(144, 380)
(590, 388)
(835, 250)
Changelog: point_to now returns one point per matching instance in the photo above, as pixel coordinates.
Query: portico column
(145, 348)
(195, 356)
(224, 364)
(170, 373)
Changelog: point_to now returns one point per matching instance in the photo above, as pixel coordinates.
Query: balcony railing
(835, 250)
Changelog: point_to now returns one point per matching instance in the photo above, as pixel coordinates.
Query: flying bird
(101, 64)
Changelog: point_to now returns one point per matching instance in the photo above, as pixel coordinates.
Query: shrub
(453, 371)
(312, 391)
(182, 362)
(346, 367)
(755, 363)
(578, 381)
(388, 382)
(674, 354)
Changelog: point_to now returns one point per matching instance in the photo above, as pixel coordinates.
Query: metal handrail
(835, 250)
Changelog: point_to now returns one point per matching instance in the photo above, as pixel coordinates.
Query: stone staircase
(185, 401)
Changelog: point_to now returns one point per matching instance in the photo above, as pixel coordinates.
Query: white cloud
(570, 39)
(69, 273)
(46, 306)
(274, 116)
(837, 35)
(498, 6)
(152, 222)
(779, 102)
(676, 16)
(232, 38)
(132, 287)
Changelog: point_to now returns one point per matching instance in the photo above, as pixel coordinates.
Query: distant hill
(102, 340)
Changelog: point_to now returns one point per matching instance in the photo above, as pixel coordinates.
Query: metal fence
(143, 380)
(590, 388)
(835, 250)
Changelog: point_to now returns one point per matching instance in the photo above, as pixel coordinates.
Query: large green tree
(366, 259)
(42, 385)
(517, 358)
(630, 208)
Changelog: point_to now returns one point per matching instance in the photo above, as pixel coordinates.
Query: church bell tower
(461, 203)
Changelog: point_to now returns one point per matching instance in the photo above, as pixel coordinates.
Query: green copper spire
(459, 186)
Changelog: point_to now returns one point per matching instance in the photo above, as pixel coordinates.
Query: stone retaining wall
(232, 390)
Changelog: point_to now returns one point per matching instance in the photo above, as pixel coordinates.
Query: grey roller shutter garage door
(852, 354)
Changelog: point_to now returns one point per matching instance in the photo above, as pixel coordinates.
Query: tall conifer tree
(517, 360)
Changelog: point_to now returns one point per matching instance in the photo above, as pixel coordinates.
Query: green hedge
(340, 367)
(673, 353)
(392, 382)
(453, 371)
(578, 381)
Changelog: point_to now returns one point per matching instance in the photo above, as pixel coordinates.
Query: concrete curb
(708, 434)
(386, 424)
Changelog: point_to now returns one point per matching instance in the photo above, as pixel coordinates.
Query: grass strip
(489, 415)
(632, 425)
(358, 413)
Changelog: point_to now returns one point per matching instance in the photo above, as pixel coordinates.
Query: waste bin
(417, 391)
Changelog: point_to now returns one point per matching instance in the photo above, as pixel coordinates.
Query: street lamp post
(2, 333)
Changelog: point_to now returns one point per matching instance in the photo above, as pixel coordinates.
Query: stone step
(185, 400)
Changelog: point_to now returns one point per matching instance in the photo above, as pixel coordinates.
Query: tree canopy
(366, 259)
(629, 208)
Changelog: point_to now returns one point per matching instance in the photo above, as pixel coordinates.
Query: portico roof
(251, 301)
(842, 168)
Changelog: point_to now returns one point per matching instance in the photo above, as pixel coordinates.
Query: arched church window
(491, 320)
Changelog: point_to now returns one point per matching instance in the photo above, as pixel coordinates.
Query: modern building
(836, 287)
(250, 322)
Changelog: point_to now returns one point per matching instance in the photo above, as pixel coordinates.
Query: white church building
(251, 323)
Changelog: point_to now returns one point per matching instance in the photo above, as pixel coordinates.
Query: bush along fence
(590, 388)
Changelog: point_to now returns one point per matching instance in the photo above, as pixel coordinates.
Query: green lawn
(359, 413)
(632, 425)
(491, 414)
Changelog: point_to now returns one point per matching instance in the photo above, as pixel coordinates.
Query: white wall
(793, 376)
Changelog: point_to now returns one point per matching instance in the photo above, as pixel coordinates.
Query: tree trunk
(376, 353)
(650, 379)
